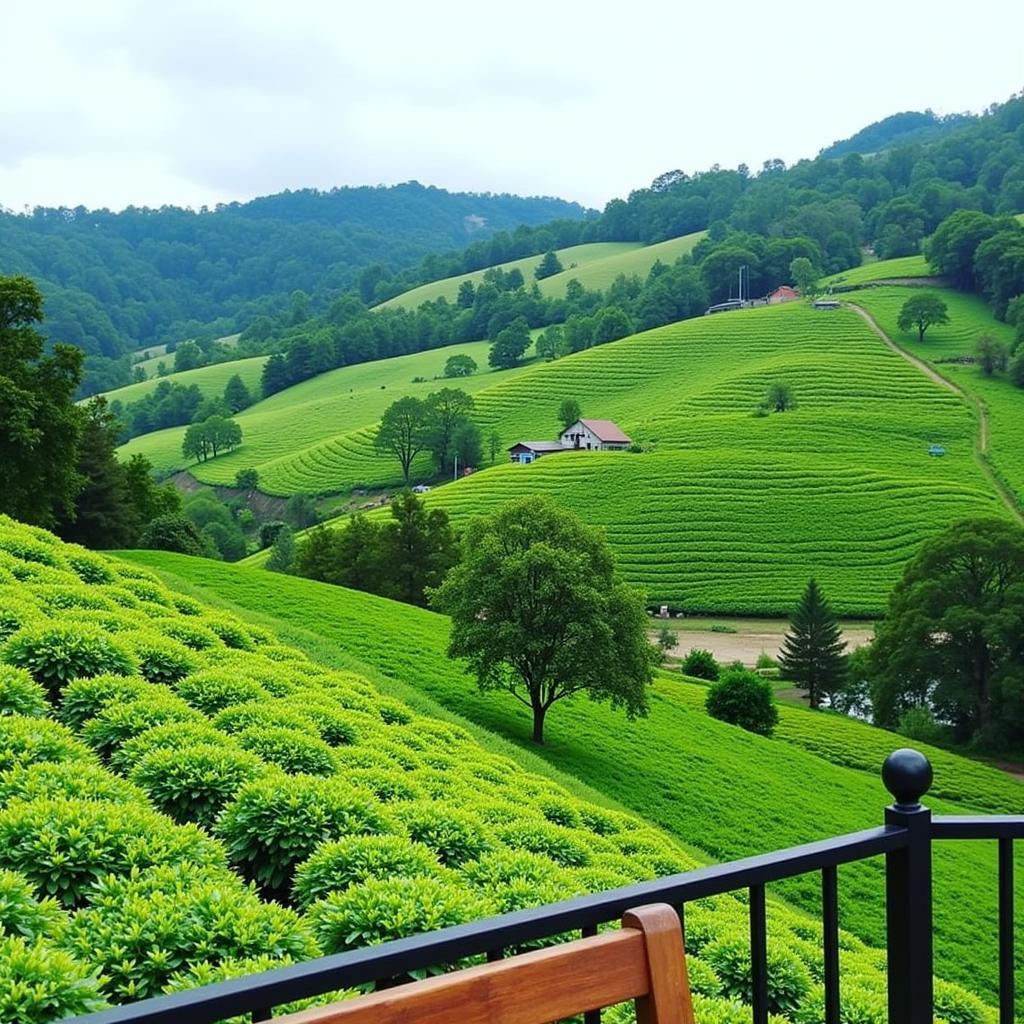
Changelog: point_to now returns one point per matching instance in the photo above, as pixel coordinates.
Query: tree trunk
(539, 711)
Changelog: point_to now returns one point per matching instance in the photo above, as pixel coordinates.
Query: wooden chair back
(644, 960)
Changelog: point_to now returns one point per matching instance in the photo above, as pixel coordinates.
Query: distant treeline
(117, 281)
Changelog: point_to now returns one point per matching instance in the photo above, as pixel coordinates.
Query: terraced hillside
(880, 270)
(1003, 403)
(713, 786)
(731, 512)
(283, 434)
(184, 798)
(595, 266)
(209, 379)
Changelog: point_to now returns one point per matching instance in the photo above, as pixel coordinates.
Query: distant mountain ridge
(910, 126)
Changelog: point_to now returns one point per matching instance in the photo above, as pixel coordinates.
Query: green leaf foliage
(745, 699)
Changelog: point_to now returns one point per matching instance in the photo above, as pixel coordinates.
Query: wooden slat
(542, 986)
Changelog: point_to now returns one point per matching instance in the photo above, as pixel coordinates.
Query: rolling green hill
(969, 317)
(907, 266)
(714, 786)
(596, 267)
(731, 512)
(209, 379)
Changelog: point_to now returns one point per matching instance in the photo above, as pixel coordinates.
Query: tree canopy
(951, 637)
(539, 611)
(921, 312)
(812, 650)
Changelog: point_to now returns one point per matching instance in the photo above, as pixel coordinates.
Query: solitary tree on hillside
(549, 266)
(780, 398)
(922, 311)
(510, 344)
(404, 431)
(568, 413)
(460, 366)
(812, 651)
(804, 275)
(992, 354)
(236, 394)
(538, 610)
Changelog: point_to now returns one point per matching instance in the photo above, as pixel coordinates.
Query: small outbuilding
(783, 294)
(525, 452)
(826, 304)
(595, 435)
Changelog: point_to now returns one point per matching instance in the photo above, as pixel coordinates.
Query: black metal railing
(905, 840)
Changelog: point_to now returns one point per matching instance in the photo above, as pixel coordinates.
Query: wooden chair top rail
(644, 961)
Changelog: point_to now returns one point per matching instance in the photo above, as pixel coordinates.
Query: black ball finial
(907, 774)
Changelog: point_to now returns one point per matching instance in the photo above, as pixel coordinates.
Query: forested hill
(903, 129)
(116, 281)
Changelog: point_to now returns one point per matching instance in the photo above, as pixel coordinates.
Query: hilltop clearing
(209, 379)
(594, 265)
(715, 786)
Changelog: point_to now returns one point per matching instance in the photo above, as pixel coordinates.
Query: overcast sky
(110, 103)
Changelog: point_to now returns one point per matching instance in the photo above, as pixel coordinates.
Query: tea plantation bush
(184, 799)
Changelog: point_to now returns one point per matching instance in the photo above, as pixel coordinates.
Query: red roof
(787, 291)
(606, 430)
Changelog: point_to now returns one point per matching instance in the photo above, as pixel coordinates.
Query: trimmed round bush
(187, 606)
(230, 632)
(20, 694)
(56, 654)
(86, 698)
(142, 928)
(292, 751)
(57, 597)
(212, 690)
(77, 780)
(16, 612)
(560, 811)
(337, 726)
(562, 845)
(393, 712)
(353, 860)
(385, 784)
(89, 568)
(262, 714)
(958, 1006)
(162, 660)
(745, 699)
(26, 548)
(502, 867)
(39, 983)
(148, 590)
(26, 741)
(195, 783)
(453, 835)
(700, 664)
(193, 635)
(64, 846)
(788, 980)
(856, 1006)
(119, 722)
(379, 911)
(21, 913)
(172, 736)
(274, 824)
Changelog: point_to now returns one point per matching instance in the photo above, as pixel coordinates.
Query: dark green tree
(568, 413)
(417, 549)
(804, 275)
(743, 698)
(447, 410)
(549, 343)
(812, 652)
(921, 312)
(39, 423)
(300, 510)
(274, 377)
(951, 637)
(282, 551)
(460, 366)
(236, 394)
(404, 431)
(539, 611)
(187, 356)
(780, 398)
(173, 533)
(991, 353)
(610, 324)
(247, 479)
(467, 445)
(549, 266)
(494, 445)
(510, 344)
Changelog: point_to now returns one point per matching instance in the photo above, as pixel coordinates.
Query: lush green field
(596, 267)
(906, 266)
(209, 379)
(714, 786)
(149, 366)
(969, 316)
(733, 512)
(284, 435)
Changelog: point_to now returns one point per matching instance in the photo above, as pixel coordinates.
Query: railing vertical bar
(1006, 994)
(591, 1016)
(494, 955)
(758, 955)
(830, 941)
(260, 1015)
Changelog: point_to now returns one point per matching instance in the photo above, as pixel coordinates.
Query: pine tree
(812, 651)
(282, 552)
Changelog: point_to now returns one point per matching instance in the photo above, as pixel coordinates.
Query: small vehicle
(420, 489)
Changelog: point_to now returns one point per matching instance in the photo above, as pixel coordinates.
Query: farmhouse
(595, 435)
(783, 294)
(583, 435)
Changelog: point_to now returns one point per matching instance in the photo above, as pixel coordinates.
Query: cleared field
(209, 379)
(283, 434)
(596, 266)
(159, 355)
(969, 316)
(716, 787)
(906, 266)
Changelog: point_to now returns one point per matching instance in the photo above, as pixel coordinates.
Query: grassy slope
(717, 788)
(907, 266)
(733, 512)
(597, 266)
(209, 379)
(331, 408)
(969, 316)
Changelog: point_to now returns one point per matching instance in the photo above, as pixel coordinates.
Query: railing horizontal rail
(978, 826)
(392, 959)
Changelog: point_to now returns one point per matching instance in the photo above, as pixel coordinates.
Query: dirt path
(745, 645)
(929, 371)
